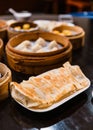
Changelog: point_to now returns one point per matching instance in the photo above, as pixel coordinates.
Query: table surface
(76, 114)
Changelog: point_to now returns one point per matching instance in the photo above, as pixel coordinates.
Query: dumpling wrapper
(50, 87)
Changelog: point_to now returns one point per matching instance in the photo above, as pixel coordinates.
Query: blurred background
(46, 6)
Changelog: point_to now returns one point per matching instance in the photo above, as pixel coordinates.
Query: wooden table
(76, 114)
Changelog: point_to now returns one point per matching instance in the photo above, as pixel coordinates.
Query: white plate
(47, 25)
(58, 103)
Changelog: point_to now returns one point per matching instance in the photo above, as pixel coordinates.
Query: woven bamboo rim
(1, 44)
(76, 40)
(76, 29)
(35, 67)
(18, 59)
(1, 48)
(33, 36)
(12, 32)
(32, 58)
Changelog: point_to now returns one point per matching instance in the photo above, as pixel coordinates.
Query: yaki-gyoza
(46, 89)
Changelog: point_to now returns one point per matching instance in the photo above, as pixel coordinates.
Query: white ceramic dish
(47, 25)
(21, 16)
(58, 103)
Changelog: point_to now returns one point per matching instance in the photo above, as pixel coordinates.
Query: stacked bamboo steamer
(37, 63)
(5, 79)
(5, 72)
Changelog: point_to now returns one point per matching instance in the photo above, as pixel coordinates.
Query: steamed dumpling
(26, 50)
(40, 41)
(25, 44)
(54, 49)
(41, 50)
(53, 44)
(36, 47)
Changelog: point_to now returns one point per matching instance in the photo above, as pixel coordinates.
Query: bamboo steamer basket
(37, 63)
(12, 32)
(77, 39)
(3, 30)
(4, 81)
(1, 49)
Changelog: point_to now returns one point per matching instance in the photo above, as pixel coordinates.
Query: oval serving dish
(37, 63)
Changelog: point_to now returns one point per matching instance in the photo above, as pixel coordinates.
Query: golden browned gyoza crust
(76, 75)
(50, 87)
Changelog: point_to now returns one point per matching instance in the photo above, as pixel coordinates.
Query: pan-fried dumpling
(77, 75)
(46, 89)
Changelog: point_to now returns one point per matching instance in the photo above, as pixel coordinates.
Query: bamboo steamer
(12, 32)
(1, 49)
(4, 81)
(37, 63)
(77, 39)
